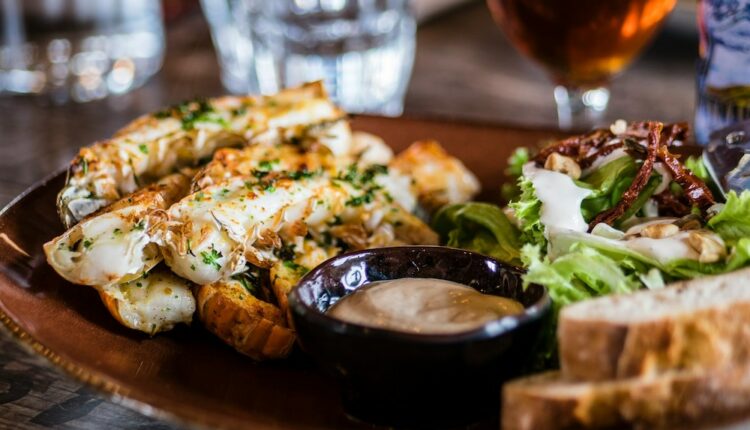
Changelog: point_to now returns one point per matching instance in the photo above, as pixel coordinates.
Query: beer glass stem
(580, 108)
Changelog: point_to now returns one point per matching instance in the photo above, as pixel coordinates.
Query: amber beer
(582, 43)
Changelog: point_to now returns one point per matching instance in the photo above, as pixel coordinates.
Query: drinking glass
(581, 44)
(78, 49)
(362, 49)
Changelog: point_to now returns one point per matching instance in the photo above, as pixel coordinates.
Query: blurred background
(430, 58)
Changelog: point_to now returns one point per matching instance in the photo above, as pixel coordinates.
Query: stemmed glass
(582, 44)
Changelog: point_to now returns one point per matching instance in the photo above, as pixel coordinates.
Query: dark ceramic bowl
(417, 380)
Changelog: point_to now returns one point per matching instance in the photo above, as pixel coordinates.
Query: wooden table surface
(464, 70)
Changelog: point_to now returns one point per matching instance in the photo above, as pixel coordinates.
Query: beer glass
(581, 44)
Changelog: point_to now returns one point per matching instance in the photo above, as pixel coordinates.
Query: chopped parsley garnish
(192, 112)
(260, 173)
(267, 165)
(84, 165)
(365, 198)
(239, 111)
(199, 196)
(143, 148)
(249, 281)
(140, 225)
(301, 174)
(291, 265)
(116, 231)
(363, 178)
(138, 284)
(210, 257)
(87, 243)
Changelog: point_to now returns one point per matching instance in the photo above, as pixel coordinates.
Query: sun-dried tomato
(602, 152)
(654, 141)
(696, 191)
(671, 205)
(576, 147)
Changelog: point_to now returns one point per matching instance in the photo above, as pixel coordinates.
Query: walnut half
(563, 164)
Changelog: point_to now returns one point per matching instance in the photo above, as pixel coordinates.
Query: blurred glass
(581, 44)
(724, 65)
(362, 49)
(78, 49)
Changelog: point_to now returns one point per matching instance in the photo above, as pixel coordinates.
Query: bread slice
(682, 399)
(697, 324)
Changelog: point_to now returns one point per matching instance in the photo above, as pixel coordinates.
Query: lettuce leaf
(584, 272)
(480, 227)
(581, 274)
(733, 221)
(695, 165)
(527, 210)
(608, 183)
(510, 190)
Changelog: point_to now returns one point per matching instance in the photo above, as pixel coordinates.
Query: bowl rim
(490, 330)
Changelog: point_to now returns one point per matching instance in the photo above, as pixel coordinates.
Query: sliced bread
(682, 399)
(697, 324)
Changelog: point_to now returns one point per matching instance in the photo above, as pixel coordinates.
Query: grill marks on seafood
(118, 243)
(286, 186)
(155, 145)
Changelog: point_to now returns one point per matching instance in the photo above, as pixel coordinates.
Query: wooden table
(464, 70)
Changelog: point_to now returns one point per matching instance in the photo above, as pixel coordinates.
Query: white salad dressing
(654, 251)
(561, 198)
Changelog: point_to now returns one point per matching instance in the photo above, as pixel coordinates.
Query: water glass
(362, 49)
(78, 49)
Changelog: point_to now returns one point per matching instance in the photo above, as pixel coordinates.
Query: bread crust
(598, 348)
(682, 399)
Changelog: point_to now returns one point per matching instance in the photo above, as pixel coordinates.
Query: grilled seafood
(230, 310)
(286, 185)
(116, 244)
(303, 255)
(230, 162)
(440, 179)
(214, 232)
(154, 145)
(153, 303)
(257, 159)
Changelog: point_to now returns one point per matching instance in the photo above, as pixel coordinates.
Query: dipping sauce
(422, 305)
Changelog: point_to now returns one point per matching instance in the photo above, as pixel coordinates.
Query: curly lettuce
(527, 210)
(510, 190)
(733, 220)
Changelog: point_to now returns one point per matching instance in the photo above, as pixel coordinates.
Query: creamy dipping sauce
(422, 305)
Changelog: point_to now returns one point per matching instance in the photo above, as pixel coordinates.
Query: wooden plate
(187, 374)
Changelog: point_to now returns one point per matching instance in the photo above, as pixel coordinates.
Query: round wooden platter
(187, 375)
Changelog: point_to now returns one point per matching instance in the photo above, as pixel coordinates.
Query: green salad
(611, 211)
